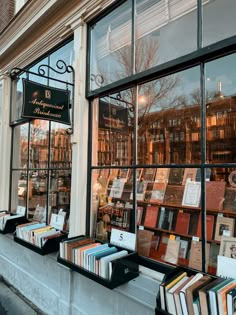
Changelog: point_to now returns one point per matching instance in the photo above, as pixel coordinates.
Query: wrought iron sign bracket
(43, 72)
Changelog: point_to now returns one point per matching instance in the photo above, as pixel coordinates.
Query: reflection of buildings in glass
(173, 136)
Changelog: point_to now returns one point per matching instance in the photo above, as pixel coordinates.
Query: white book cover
(170, 296)
(182, 292)
(104, 262)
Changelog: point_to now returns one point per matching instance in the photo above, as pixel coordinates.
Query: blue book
(95, 257)
(87, 253)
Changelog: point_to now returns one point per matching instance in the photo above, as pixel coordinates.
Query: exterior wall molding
(48, 21)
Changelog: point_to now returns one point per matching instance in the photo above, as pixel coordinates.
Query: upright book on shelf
(176, 176)
(182, 222)
(151, 216)
(224, 226)
(215, 192)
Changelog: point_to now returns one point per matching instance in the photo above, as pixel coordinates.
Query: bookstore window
(41, 151)
(174, 100)
(218, 20)
(158, 28)
(181, 203)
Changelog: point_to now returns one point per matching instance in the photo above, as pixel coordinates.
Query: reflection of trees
(150, 94)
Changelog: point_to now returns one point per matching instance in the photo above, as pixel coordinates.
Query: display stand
(168, 276)
(10, 226)
(123, 270)
(51, 246)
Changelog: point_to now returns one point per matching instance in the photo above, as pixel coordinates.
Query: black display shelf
(11, 225)
(123, 270)
(173, 272)
(51, 246)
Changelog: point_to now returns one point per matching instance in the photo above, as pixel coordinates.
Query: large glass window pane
(61, 148)
(37, 203)
(19, 190)
(221, 110)
(20, 146)
(218, 20)
(65, 54)
(113, 129)
(39, 138)
(169, 119)
(168, 214)
(59, 194)
(160, 28)
(111, 200)
(110, 58)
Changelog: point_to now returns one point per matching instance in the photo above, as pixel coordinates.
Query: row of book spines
(197, 294)
(36, 233)
(90, 255)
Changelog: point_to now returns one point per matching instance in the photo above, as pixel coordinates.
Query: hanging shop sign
(113, 117)
(44, 102)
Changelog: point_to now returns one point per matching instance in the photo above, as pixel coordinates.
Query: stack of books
(197, 294)
(36, 233)
(90, 255)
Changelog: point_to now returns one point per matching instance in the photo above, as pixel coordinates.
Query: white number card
(123, 239)
(20, 210)
(57, 221)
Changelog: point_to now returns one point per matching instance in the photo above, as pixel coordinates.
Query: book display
(168, 203)
(105, 263)
(186, 291)
(41, 237)
(9, 221)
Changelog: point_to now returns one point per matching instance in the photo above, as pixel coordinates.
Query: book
(182, 292)
(229, 203)
(158, 192)
(117, 188)
(69, 246)
(224, 226)
(162, 175)
(139, 215)
(182, 222)
(177, 296)
(105, 266)
(169, 283)
(95, 258)
(162, 246)
(210, 219)
(214, 252)
(191, 292)
(169, 295)
(231, 302)
(228, 247)
(151, 216)
(213, 297)
(215, 192)
(165, 219)
(221, 297)
(172, 251)
(195, 258)
(203, 296)
(183, 249)
(144, 240)
(176, 176)
(189, 175)
(192, 194)
(193, 223)
(173, 195)
(148, 174)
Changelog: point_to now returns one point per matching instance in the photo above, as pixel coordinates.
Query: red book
(182, 222)
(151, 216)
(209, 226)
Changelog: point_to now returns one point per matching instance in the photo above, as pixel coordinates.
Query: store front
(149, 148)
